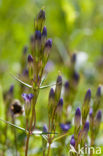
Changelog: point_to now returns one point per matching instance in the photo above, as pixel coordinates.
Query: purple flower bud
(45, 128)
(88, 95)
(76, 77)
(44, 33)
(91, 112)
(66, 85)
(77, 118)
(25, 72)
(60, 103)
(78, 112)
(25, 50)
(59, 80)
(30, 58)
(11, 89)
(98, 93)
(73, 59)
(65, 127)
(52, 93)
(37, 35)
(72, 141)
(27, 97)
(99, 116)
(48, 43)
(32, 39)
(86, 126)
(41, 15)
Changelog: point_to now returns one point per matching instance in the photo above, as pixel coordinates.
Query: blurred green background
(73, 25)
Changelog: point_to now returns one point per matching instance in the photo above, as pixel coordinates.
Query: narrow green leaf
(50, 85)
(7, 122)
(25, 84)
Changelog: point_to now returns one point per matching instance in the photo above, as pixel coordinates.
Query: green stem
(31, 121)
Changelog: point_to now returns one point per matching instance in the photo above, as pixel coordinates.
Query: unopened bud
(77, 118)
(58, 87)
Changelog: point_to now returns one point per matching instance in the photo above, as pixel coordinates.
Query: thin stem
(48, 150)
(31, 121)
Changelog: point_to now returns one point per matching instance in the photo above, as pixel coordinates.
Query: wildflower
(48, 44)
(73, 58)
(98, 118)
(65, 127)
(27, 98)
(51, 102)
(30, 59)
(60, 106)
(72, 141)
(45, 128)
(16, 108)
(77, 118)
(44, 32)
(58, 87)
(97, 100)
(86, 106)
(37, 35)
(39, 22)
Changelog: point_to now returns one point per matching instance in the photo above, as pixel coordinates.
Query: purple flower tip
(99, 115)
(41, 14)
(73, 58)
(45, 128)
(76, 76)
(66, 85)
(59, 80)
(27, 97)
(25, 72)
(60, 103)
(30, 58)
(11, 89)
(78, 112)
(48, 43)
(86, 126)
(25, 50)
(44, 33)
(91, 112)
(52, 93)
(65, 127)
(37, 35)
(88, 95)
(72, 141)
(98, 93)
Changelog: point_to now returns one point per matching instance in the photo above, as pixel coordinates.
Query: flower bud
(73, 58)
(77, 118)
(39, 22)
(86, 126)
(59, 107)
(30, 59)
(65, 127)
(58, 88)
(98, 118)
(97, 100)
(72, 141)
(45, 129)
(51, 102)
(37, 35)
(86, 106)
(44, 32)
(27, 98)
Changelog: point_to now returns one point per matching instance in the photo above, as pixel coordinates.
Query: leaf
(25, 84)
(7, 122)
(36, 132)
(46, 86)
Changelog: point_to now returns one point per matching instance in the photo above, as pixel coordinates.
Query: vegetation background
(74, 26)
